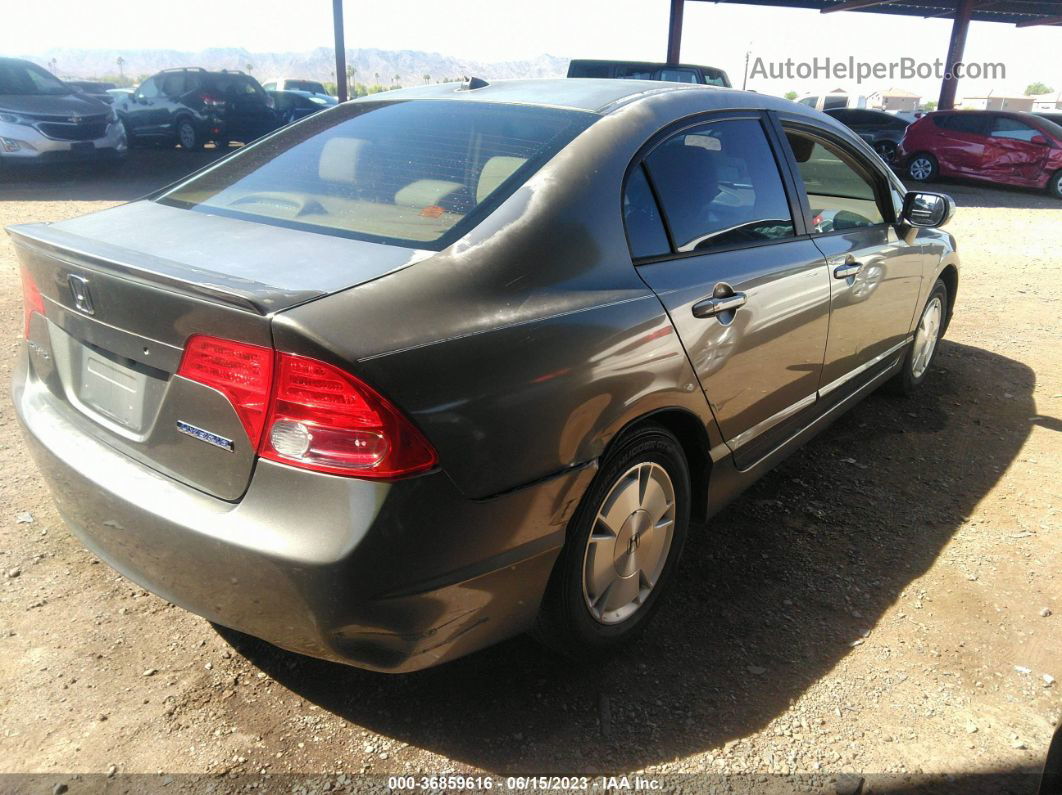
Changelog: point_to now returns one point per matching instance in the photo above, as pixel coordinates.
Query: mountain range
(410, 67)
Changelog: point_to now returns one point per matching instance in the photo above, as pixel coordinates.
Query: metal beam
(853, 5)
(341, 50)
(1029, 23)
(956, 48)
(674, 31)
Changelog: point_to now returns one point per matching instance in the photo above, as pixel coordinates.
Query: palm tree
(427, 78)
(250, 68)
(52, 65)
(121, 65)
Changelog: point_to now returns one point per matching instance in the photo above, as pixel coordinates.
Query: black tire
(923, 167)
(886, 150)
(188, 136)
(913, 371)
(1054, 185)
(565, 620)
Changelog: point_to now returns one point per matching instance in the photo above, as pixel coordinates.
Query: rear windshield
(413, 173)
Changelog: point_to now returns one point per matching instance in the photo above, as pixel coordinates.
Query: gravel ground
(886, 602)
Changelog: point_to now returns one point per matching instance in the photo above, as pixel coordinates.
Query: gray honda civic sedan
(425, 371)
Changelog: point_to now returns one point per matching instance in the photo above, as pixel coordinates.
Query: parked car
(1005, 147)
(93, 88)
(645, 70)
(881, 130)
(427, 370)
(1054, 118)
(294, 105)
(294, 84)
(43, 120)
(826, 102)
(192, 106)
(119, 93)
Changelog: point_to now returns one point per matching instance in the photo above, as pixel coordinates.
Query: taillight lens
(32, 301)
(325, 419)
(241, 372)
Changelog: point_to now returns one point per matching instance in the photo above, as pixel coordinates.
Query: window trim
(679, 126)
(883, 185)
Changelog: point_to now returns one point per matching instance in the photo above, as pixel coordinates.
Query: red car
(1009, 148)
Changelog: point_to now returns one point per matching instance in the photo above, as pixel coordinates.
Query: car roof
(654, 64)
(595, 95)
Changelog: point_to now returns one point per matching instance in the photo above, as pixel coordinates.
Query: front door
(874, 275)
(748, 297)
(1012, 154)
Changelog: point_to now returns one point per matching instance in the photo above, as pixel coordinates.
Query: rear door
(961, 141)
(1012, 154)
(874, 274)
(748, 295)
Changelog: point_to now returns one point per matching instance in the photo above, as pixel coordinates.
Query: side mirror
(927, 210)
(1039, 139)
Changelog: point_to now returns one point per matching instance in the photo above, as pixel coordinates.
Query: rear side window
(645, 227)
(714, 77)
(719, 186)
(415, 173)
(840, 194)
(173, 84)
(962, 122)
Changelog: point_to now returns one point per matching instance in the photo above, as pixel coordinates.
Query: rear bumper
(391, 577)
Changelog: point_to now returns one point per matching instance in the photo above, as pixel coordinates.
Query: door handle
(849, 268)
(714, 306)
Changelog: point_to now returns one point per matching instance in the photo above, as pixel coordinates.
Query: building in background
(998, 103)
(894, 99)
(1048, 103)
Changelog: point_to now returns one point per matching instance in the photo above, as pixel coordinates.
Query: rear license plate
(115, 391)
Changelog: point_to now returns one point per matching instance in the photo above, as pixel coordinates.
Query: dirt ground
(889, 601)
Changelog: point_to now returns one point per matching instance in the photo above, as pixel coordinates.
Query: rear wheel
(924, 346)
(623, 544)
(187, 135)
(923, 167)
(887, 150)
(1054, 185)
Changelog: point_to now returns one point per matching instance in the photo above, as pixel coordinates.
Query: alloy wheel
(925, 342)
(186, 135)
(629, 543)
(921, 168)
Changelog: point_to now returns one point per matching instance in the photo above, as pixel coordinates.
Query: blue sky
(493, 30)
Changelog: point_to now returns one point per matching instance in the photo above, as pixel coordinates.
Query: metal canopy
(1025, 13)
(1021, 13)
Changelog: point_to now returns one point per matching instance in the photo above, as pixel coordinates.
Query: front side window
(149, 89)
(719, 186)
(415, 173)
(842, 196)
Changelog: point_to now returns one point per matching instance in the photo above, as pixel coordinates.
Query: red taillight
(241, 372)
(325, 419)
(32, 301)
(307, 413)
(211, 101)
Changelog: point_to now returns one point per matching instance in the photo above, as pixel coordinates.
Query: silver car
(43, 120)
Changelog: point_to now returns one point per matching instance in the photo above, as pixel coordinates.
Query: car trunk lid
(124, 289)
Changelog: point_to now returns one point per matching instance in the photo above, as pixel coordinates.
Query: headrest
(425, 192)
(495, 172)
(339, 160)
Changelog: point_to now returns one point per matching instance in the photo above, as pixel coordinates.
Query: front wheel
(923, 167)
(623, 544)
(1054, 185)
(187, 136)
(924, 346)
